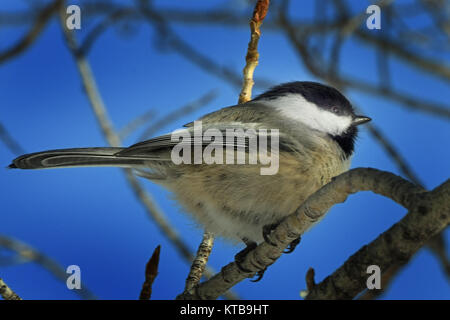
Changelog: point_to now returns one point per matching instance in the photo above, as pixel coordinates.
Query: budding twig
(151, 271)
(260, 12)
(199, 263)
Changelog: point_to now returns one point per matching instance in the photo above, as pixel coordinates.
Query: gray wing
(225, 120)
(159, 148)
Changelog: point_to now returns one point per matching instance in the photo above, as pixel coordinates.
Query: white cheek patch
(295, 107)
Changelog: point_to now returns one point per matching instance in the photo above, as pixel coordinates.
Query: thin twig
(319, 70)
(28, 39)
(429, 213)
(310, 282)
(151, 271)
(251, 59)
(30, 254)
(136, 123)
(393, 248)
(102, 26)
(177, 114)
(10, 142)
(179, 45)
(200, 261)
(7, 293)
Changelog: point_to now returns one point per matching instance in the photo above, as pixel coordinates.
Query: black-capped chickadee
(316, 128)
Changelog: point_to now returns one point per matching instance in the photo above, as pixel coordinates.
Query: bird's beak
(357, 120)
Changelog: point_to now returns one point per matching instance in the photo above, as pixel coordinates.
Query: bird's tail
(78, 157)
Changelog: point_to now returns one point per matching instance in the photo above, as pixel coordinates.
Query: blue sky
(91, 218)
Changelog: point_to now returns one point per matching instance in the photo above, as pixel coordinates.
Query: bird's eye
(335, 109)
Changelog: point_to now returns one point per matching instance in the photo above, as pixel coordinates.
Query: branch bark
(429, 214)
(26, 253)
(251, 59)
(200, 261)
(151, 271)
(7, 293)
(41, 21)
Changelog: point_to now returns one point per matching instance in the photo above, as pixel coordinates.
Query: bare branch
(438, 247)
(439, 69)
(200, 261)
(151, 271)
(251, 59)
(349, 25)
(189, 52)
(310, 282)
(9, 141)
(30, 254)
(316, 68)
(314, 208)
(136, 123)
(7, 293)
(102, 26)
(427, 217)
(41, 21)
(178, 113)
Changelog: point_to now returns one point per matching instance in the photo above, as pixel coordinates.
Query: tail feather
(78, 157)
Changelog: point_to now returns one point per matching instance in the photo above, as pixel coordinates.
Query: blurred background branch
(100, 111)
(10, 142)
(24, 253)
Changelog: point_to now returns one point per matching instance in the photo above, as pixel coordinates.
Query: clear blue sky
(90, 217)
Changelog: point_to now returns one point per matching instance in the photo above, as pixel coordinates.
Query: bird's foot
(240, 256)
(267, 229)
(291, 247)
(259, 275)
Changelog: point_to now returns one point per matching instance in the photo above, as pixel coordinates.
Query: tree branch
(7, 293)
(151, 271)
(177, 114)
(429, 214)
(30, 254)
(198, 266)
(9, 141)
(436, 217)
(41, 21)
(251, 59)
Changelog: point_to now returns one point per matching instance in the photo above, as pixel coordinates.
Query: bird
(316, 129)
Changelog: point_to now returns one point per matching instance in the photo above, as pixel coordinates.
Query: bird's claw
(240, 256)
(267, 229)
(291, 247)
(260, 275)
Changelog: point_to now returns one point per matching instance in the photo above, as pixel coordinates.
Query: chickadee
(317, 131)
